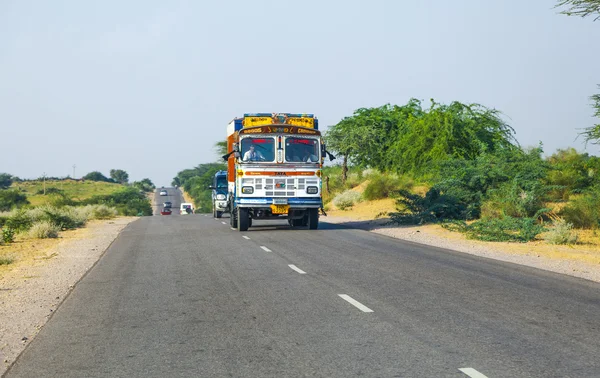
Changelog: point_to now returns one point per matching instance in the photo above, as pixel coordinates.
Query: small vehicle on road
(168, 205)
(163, 193)
(186, 208)
(166, 211)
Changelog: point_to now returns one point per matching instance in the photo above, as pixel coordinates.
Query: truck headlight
(312, 190)
(247, 189)
(221, 197)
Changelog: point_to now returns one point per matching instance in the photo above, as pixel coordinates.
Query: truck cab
(220, 194)
(274, 169)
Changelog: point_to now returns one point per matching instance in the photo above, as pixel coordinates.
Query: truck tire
(219, 213)
(313, 219)
(233, 219)
(243, 221)
(214, 213)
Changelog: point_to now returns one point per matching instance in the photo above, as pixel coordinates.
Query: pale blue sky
(149, 86)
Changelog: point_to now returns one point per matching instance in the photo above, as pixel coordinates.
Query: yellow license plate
(280, 209)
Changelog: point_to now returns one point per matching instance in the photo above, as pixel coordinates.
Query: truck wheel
(218, 213)
(214, 213)
(249, 222)
(233, 219)
(313, 219)
(243, 220)
(295, 222)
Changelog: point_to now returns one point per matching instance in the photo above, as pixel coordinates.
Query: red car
(165, 211)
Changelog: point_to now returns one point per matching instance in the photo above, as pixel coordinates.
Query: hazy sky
(149, 86)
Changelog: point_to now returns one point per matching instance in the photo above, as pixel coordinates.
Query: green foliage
(8, 235)
(5, 260)
(409, 139)
(561, 232)
(145, 185)
(12, 198)
(5, 180)
(96, 176)
(18, 220)
(346, 200)
(128, 201)
(119, 176)
(583, 211)
(432, 208)
(383, 186)
(507, 229)
(582, 8)
(571, 172)
(43, 230)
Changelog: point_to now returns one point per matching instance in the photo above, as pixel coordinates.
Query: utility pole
(44, 180)
(74, 166)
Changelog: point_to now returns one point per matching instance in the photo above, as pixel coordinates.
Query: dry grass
(75, 190)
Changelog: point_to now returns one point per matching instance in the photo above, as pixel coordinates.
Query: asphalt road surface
(186, 296)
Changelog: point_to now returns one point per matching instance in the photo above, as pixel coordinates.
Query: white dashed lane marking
(472, 373)
(294, 267)
(245, 237)
(223, 222)
(233, 228)
(265, 248)
(355, 303)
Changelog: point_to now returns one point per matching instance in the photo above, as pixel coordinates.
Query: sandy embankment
(44, 273)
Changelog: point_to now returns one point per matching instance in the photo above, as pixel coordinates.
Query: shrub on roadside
(7, 235)
(346, 199)
(507, 229)
(432, 208)
(10, 199)
(561, 232)
(103, 212)
(43, 230)
(583, 212)
(383, 186)
(5, 260)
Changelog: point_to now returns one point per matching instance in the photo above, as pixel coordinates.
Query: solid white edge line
(472, 373)
(245, 237)
(265, 248)
(355, 303)
(294, 267)
(224, 222)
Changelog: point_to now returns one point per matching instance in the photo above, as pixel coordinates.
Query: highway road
(186, 296)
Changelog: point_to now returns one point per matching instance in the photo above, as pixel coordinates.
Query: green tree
(592, 134)
(119, 176)
(12, 198)
(221, 149)
(5, 180)
(145, 185)
(95, 176)
(582, 8)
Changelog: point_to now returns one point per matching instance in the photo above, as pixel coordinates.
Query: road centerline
(472, 373)
(294, 267)
(355, 303)
(245, 237)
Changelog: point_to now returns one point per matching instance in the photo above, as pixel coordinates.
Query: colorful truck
(274, 169)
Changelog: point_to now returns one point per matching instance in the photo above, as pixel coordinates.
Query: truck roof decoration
(279, 129)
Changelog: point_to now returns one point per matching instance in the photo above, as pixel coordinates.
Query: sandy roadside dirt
(43, 274)
(579, 260)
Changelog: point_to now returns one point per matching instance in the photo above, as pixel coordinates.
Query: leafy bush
(10, 199)
(383, 186)
(583, 212)
(19, 221)
(433, 207)
(561, 232)
(5, 260)
(514, 199)
(8, 235)
(127, 201)
(506, 229)
(43, 230)
(346, 199)
(103, 212)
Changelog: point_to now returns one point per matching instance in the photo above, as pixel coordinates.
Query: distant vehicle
(168, 205)
(186, 208)
(220, 194)
(163, 193)
(166, 211)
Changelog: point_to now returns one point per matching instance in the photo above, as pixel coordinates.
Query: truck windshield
(301, 150)
(258, 149)
(221, 183)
